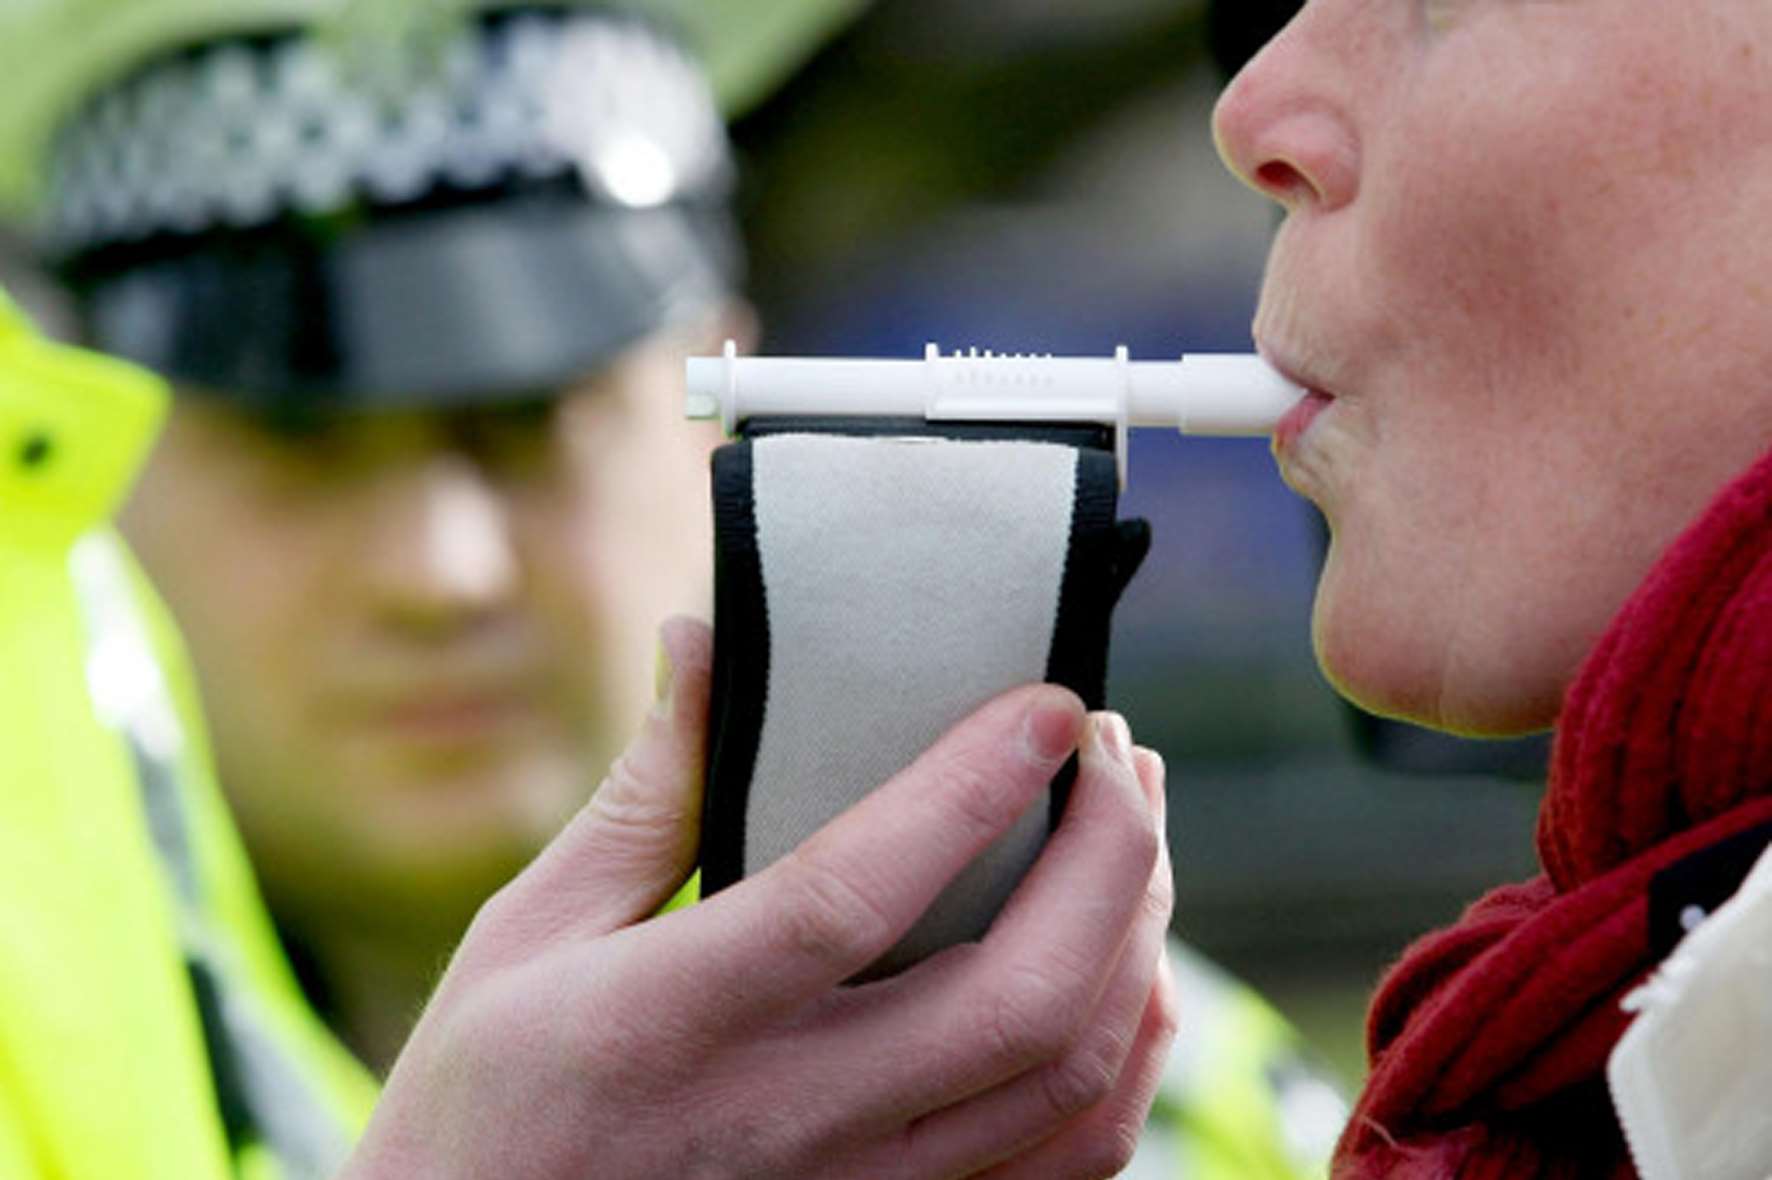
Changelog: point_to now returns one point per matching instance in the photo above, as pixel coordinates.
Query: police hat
(451, 204)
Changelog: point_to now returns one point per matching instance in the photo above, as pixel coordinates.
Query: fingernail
(1052, 727)
(1115, 737)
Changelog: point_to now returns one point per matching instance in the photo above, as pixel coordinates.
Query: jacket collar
(75, 429)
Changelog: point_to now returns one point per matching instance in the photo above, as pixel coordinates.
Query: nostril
(1281, 179)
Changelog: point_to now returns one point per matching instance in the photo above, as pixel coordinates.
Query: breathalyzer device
(898, 541)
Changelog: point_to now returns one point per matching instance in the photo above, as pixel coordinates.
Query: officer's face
(1525, 251)
(421, 638)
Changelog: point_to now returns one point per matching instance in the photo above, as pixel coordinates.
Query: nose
(1284, 125)
(443, 552)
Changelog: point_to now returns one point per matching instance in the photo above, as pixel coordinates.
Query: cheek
(1477, 276)
(250, 613)
(234, 581)
(643, 521)
(1534, 218)
(615, 548)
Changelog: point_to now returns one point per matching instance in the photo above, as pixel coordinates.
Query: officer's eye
(513, 439)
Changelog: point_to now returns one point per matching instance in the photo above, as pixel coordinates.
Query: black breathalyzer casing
(877, 580)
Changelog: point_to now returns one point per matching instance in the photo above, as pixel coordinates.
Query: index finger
(843, 898)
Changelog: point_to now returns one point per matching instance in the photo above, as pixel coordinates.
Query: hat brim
(438, 307)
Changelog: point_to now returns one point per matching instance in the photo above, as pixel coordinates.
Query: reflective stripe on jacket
(134, 950)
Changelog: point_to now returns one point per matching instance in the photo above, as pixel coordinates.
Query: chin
(1414, 673)
(1475, 715)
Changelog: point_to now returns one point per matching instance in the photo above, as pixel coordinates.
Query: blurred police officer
(425, 492)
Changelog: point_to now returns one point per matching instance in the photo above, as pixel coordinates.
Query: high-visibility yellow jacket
(1241, 1098)
(148, 1025)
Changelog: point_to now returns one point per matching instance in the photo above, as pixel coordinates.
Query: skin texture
(1524, 250)
(421, 638)
(570, 1038)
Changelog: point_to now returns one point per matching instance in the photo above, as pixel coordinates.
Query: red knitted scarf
(1489, 1040)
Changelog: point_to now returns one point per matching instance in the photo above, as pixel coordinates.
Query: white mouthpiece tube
(1215, 394)
(1219, 394)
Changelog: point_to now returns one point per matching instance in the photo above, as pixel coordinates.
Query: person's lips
(449, 713)
(1298, 419)
(440, 711)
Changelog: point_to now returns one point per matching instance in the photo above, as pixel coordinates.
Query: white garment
(1692, 1076)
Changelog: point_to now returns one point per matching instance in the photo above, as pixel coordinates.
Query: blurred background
(1034, 175)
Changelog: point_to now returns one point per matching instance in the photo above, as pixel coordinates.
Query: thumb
(634, 843)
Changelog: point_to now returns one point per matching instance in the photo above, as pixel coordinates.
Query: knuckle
(1113, 817)
(1159, 897)
(980, 799)
(1110, 1149)
(1166, 1022)
(1168, 1006)
(823, 917)
(629, 802)
(1032, 1020)
(496, 912)
(1078, 1081)
(1140, 840)
(1165, 1014)
(498, 928)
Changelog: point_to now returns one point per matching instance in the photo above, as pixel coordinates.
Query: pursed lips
(1296, 421)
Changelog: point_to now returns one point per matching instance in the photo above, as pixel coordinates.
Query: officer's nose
(444, 549)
